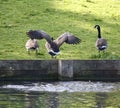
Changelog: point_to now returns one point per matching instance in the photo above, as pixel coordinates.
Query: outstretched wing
(68, 38)
(39, 34)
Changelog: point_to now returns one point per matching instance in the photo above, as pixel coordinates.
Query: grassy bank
(56, 17)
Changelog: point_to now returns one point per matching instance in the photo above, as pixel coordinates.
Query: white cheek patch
(55, 52)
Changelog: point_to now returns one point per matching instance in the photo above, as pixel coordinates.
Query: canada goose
(101, 44)
(32, 44)
(51, 45)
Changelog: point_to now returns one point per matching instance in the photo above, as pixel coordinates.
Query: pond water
(72, 94)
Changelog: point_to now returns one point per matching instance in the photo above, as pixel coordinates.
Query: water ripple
(69, 86)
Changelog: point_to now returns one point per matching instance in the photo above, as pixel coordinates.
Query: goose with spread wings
(53, 46)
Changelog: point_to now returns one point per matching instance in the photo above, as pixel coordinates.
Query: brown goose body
(101, 44)
(32, 44)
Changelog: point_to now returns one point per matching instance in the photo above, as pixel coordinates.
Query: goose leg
(103, 51)
(28, 51)
(36, 52)
(99, 53)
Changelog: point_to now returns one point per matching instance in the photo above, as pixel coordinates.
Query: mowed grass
(56, 17)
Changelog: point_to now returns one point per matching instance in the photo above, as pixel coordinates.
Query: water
(60, 95)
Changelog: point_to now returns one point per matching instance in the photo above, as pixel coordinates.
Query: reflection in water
(24, 97)
(101, 100)
(42, 100)
(30, 100)
(18, 99)
(53, 100)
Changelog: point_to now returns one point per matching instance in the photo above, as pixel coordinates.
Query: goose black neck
(99, 32)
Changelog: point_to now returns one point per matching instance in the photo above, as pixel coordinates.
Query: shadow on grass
(88, 17)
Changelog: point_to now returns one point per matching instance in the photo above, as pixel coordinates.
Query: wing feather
(39, 34)
(68, 38)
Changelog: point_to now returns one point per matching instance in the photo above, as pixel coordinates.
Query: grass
(56, 17)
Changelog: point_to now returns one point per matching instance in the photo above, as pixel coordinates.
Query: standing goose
(51, 45)
(32, 44)
(101, 44)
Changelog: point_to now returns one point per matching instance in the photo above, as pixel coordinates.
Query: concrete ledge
(29, 70)
(54, 70)
(107, 70)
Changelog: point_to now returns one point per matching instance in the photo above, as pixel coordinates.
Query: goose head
(97, 26)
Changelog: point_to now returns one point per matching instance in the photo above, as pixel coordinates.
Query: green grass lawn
(56, 17)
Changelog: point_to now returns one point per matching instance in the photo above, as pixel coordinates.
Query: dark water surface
(60, 95)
